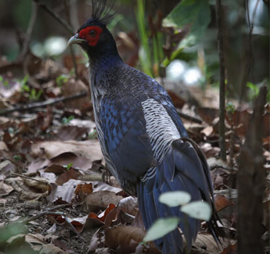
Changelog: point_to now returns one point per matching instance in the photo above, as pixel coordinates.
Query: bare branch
(29, 31)
(70, 48)
(222, 86)
(55, 16)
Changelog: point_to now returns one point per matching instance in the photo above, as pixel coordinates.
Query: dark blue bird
(143, 140)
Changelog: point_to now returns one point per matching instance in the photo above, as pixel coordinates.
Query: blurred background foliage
(174, 40)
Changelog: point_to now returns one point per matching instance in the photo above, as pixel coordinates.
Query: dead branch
(42, 104)
(29, 31)
(70, 48)
(251, 183)
(55, 16)
(249, 61)
(222, 87)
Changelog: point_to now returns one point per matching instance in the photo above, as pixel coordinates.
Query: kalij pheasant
(142, 138)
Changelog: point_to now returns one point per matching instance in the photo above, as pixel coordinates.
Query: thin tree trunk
(221, 81)
(251, 184)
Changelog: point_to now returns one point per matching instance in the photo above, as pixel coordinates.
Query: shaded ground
(55, 193)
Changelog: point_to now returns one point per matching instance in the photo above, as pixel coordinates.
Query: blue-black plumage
(142, 137)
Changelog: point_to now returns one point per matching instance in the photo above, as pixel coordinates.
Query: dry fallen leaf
(72, 87)
(67, 175)
(208, 114)
(72, 132)
(53, 149)
(126, 239)
(82, 190)
(206, 242)
(67, 191)
(5, 189)
(221, 202)
(100, 199)
(30, 189)
(80, 154)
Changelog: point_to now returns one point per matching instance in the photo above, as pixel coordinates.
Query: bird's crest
(102, 11)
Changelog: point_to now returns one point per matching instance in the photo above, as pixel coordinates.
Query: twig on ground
(42, 104)
(27, 177)
(40, 215)
(49, 212)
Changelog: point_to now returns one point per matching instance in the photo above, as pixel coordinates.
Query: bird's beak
(75, 40)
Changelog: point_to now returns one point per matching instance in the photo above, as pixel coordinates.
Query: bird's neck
(101, 63)
(103, 69)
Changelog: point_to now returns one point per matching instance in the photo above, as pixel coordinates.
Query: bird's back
(136, 120)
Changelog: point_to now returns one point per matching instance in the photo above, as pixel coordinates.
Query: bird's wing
(161, 95)
(125, 138)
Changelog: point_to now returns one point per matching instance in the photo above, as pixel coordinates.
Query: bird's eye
(92, 33)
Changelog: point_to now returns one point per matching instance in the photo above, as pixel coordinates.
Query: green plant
(24, 85)
(68, 166)
(92, 135)
(60, 80)
(17, 157)
(230, 108)
(34, 95)
(196, 209)
(151, 37)
(67, 120)
(5, 82)
(254, 90)
(144, 55)
(192, 15)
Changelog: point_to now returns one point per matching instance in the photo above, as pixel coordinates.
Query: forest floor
(56, 195)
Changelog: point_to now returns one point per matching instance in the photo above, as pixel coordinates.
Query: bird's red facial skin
(91, 34)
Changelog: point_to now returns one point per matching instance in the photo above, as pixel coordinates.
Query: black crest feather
(102, 10)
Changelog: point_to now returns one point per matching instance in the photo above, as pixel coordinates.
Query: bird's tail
(183, 168)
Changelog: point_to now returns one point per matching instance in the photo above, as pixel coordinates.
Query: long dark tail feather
(182, 169)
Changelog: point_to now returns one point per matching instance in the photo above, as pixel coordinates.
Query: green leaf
(93, 134)
(198, 210)
(68, 166)
(17, 157)
(167, 61)
(174, 198)
(60, 80)
(144, 54)
(230, 108)
(160, 228)
(39, 94)
(25, 79)
(253, 87)
(194, 14)
(5, 83)
(67, 120)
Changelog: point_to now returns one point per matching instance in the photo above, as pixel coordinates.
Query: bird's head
(93, 36)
